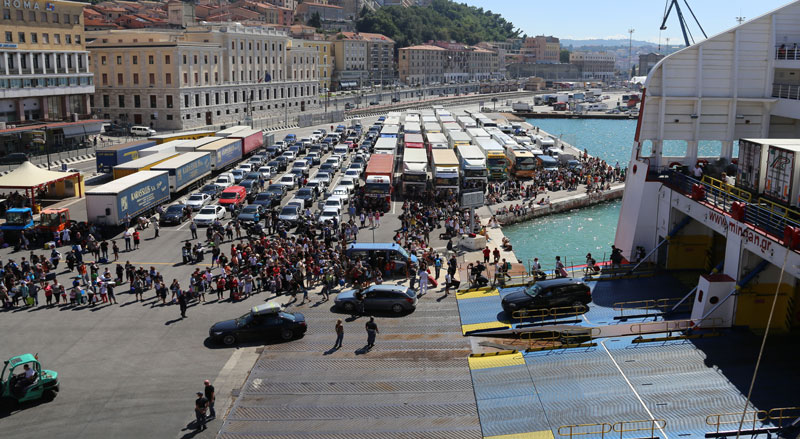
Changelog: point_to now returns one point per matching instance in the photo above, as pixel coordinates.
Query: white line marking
(184, 225)
(649, 413)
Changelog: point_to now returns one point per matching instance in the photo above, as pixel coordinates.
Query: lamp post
(630, 47)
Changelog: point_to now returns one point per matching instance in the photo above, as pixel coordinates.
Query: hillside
(442, 20)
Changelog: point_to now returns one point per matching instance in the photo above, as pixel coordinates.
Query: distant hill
(441, 20)
(603, 42)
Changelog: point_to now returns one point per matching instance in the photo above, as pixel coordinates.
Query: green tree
(315, 20)
(564, 56)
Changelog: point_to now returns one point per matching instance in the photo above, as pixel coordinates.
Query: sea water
(573, 234)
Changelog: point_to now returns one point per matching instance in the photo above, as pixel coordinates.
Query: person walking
(211, 396)
(155, 228)
(372, 331)
(115, 249)
(127, 237)
(423, 281)
(136, 240)
(200, 407)
(339, 334)
(182, 303)
(193, 228)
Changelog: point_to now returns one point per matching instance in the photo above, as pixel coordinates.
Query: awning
(28, 175)
(348, 84)
(88, 129)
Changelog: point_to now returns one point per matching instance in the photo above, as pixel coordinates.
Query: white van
(142, 131)
(340, 151)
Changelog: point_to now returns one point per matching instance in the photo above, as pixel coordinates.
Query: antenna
(740, 19)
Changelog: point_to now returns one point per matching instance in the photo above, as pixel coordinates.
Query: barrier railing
(786, 91)
(556, 339)
(675, 325)
(780, 414)
(646, 308)
(751, 419)
(602, 429)
(650, 425)
(723, 186)
(543, 314)
(778, 209)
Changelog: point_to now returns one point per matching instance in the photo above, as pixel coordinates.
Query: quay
(567, 115)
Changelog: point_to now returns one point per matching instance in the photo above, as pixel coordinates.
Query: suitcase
(103, 261)
(50, 276)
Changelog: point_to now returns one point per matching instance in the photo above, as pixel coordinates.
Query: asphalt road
(130, 370)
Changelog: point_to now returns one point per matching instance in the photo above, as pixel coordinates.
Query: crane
(687, 34)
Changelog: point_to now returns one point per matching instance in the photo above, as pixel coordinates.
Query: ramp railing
(675, 325)
(650, 425)
(602, 429)
(751, 418)
(784, 413)
(540, 315)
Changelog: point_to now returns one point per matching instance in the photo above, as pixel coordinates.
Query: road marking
(184, 225)
(649, 413)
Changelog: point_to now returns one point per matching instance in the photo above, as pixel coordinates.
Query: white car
(224, 180)
(288, 180)
(349, 183)
(209, 214)
(329, 214)
(335, 162)
(317, 183)
(352, 173)
(324, 178)
(343, 192)
(196, 201)
(246, 167)
(266, 172)
(334, 201)
(290, 155)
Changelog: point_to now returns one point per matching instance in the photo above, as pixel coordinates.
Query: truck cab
(18, 219)
(54, 220)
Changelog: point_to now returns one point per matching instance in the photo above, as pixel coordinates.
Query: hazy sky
(579, 19)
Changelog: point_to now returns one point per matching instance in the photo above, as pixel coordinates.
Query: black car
(262, 322)
(266, 200)
(15, 158)
(175, 214)
(281, 162)
(547, 294)
(273, 151)
(307, 195)
(395, 100)
(212, 190)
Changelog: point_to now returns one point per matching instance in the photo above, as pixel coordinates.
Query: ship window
(647, 149)
(709, 148)
(700, 296)
(713, 300)
(674, 148)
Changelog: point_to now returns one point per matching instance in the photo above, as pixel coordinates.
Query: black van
(548, 294)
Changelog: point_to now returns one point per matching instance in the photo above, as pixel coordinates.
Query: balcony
(786, 91)
(787, 53)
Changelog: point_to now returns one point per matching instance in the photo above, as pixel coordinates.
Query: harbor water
(590, 230)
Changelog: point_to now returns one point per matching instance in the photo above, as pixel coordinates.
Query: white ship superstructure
(739, 88)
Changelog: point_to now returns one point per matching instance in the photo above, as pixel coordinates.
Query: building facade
(540, 49)
(647, 62)
(443, 62)
(423, 64)
(594, 65)
(362, 58)
(44, 65)
(204, 76)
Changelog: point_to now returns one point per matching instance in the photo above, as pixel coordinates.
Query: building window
(196, 78)
(67, 39)
(31, 16)
(121, 101)
(119, 79)
(135, 79)
(169, 101)
(150, 59)
(103, 60)
(152, 101)
(43, 17)
(46, 40)
(186, 78)
(21, 36)
(166, 59)
(135, 59)
(76, 19)
(168, 78)
(20, 16)
(169, 117)
(67, 19)
(152, 79)
(105, 79)
(6, 14)
(77, 39)
(9, 37)
(196, 100)
(119, 60)
(55, 18)
(57, 38)
(137, 101)
(105, 101)
(186, 101)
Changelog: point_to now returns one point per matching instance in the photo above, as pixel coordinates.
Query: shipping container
(133, 195)
(251, 140)
(232, 130)
(224, 152)
(389, 130)
(186, 135)
(432, 127)
(437, 141)
(455, 138)
(412, 128)
(185, 169)
(192, 145)
(164, 147)
(107, 158)
(782, 182)
(386, 145)
(413, 141)
(142, 164)
(750, 174)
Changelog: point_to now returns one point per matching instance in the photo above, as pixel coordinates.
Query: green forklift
(25, 380)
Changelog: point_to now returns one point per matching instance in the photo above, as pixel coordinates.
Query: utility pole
(630, 47)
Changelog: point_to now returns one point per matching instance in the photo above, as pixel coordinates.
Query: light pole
(630, 47)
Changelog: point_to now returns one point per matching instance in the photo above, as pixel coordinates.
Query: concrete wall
(574, 202)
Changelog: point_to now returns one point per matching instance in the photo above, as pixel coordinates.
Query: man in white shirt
(698, 171)
(423, 281)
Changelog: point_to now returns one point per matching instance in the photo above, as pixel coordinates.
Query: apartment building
(594, 65)
(446, 62)
(209, 75)
(44, 65)
(541, 49)
(363, 58)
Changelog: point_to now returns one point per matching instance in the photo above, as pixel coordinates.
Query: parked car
(383, 297)
(289, 181)
(266, 172)
(209, 214)
(546, 294)
(142, 131)
(262, 322)
(224, 180)
(307, 195)
(198, 200)
(331, 214)
(290, 213)
(15, 158)
(174, 214)
(238, 175)
(233, 197)
(211, 189)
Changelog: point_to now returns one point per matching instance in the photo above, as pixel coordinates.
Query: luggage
(49, 245)
(50, 276)
(103, 261)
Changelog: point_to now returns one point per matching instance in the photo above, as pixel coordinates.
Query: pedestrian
(339, 334)
(182, 303)
(372, 331)
(211, 396)
(127, 237)
(496, 254)
(437, 264)
(136, 240)
(155, 228)
(193, 228)
(447, 280)
(423, 281)
(486, 253)
(115, 250)
(200, 407)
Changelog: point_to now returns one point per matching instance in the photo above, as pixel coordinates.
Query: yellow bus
(522, 162)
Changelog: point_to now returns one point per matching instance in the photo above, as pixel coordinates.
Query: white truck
(473, 166)
(415, 170)
(521, 106)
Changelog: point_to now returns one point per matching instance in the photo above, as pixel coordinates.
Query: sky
(584, 19)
